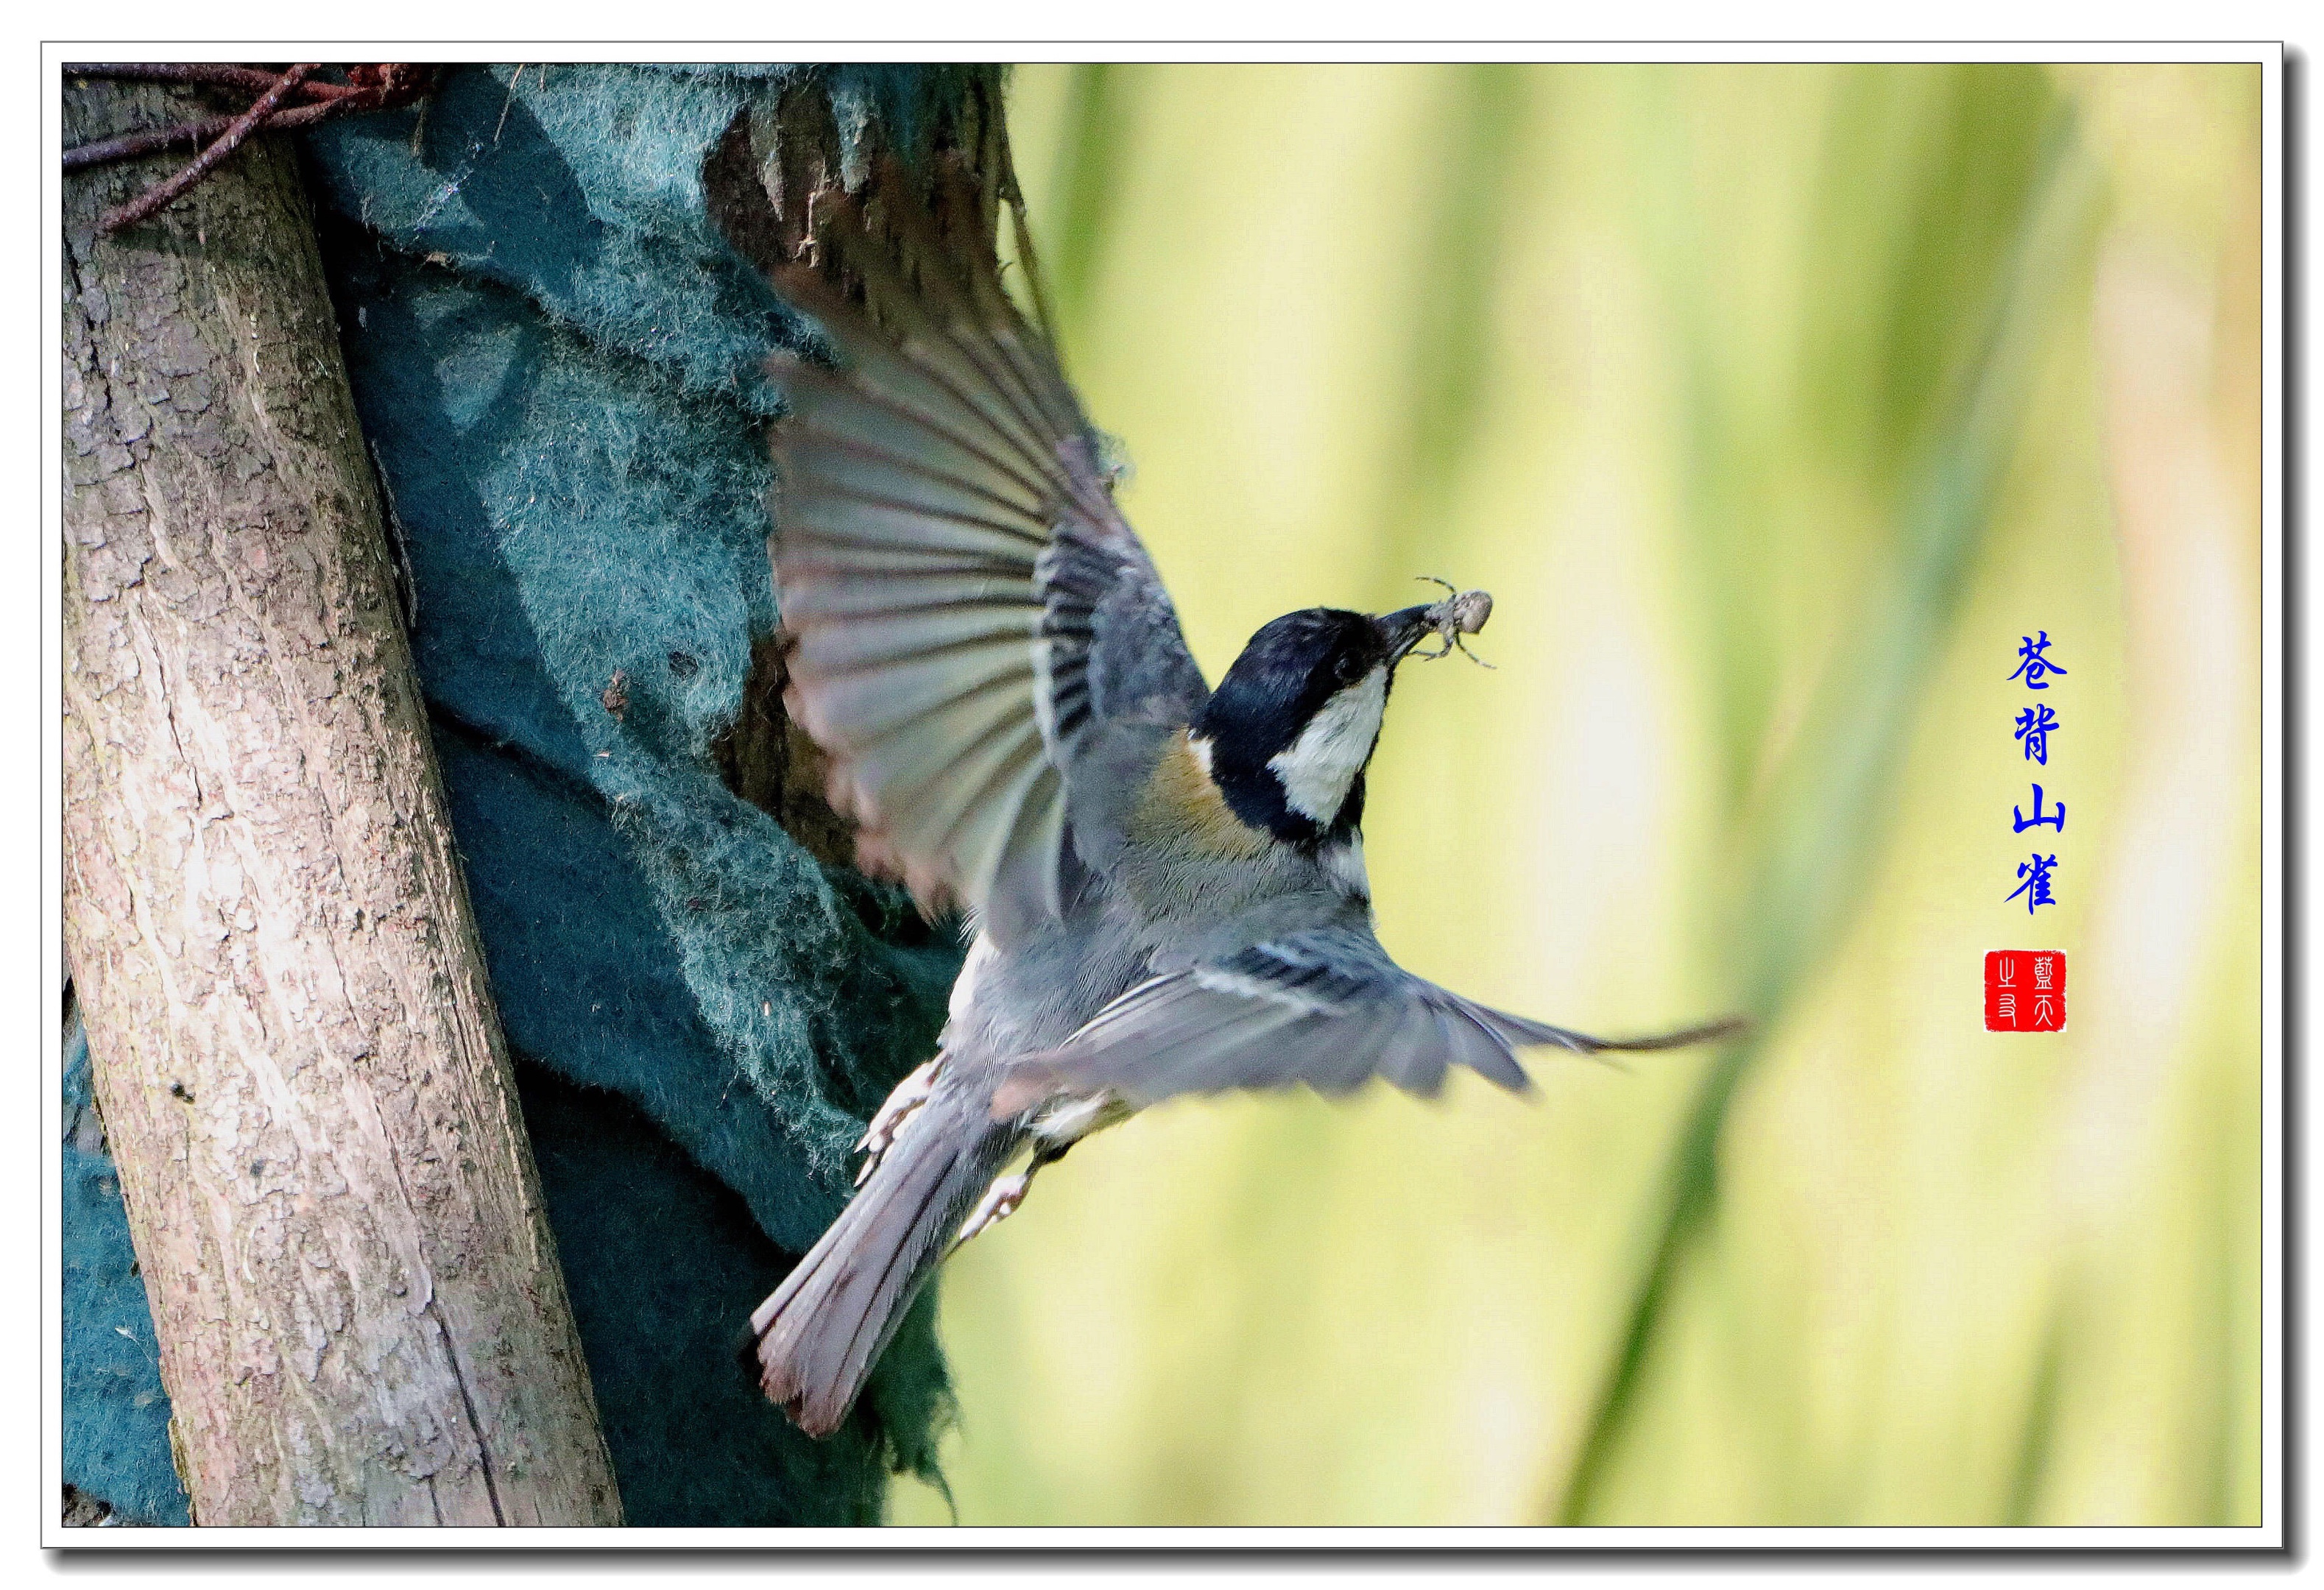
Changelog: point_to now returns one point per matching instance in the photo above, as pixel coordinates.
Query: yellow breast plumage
(1183, 808)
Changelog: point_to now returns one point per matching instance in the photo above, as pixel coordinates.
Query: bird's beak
(1403, 630)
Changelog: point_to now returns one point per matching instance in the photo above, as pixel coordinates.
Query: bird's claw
(1000, 1202)
(893, 1116)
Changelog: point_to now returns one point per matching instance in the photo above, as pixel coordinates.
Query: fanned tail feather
(824, 1329)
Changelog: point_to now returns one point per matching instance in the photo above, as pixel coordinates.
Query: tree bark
(360, 1314)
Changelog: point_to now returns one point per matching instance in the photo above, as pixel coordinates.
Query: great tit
(1163, 882)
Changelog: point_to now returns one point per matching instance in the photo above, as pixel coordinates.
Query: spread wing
(1327, 1008)
(972, 619)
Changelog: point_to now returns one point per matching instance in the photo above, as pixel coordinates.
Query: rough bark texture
(360, 1314)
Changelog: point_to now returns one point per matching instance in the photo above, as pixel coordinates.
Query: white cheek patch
(1317, 768)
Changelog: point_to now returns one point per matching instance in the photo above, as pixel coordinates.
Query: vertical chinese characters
(2035, 725)
(2025, 989)
(2049, 992)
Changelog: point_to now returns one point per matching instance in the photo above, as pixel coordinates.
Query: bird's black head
(1288, 730)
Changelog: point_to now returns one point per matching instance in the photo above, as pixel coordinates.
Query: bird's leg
(889, 1123)
(1000, 1202)
(1002, 1198)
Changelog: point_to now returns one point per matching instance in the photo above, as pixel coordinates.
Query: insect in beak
(1461, 613)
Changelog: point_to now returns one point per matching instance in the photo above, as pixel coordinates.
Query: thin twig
(243, 125)
(194, 135)
(247, 78)
(394, 88)
(506, 103)
(150, 140)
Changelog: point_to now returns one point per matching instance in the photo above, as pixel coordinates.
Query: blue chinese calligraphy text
(2036, 667)
(2035, 872)
(2020, 822)
(2033, 726)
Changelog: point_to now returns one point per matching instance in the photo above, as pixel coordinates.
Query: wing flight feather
(1325, 1008)
(966, 609)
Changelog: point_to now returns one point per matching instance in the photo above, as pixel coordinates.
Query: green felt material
(116, 1416)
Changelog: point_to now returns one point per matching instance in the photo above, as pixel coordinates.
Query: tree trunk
(360, 1316)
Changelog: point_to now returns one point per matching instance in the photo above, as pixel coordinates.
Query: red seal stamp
(2025, 991)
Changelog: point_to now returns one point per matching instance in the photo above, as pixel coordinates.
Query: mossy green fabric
(116, 1414)
(557, 363)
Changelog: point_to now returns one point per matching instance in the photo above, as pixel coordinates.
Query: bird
(1163, 883)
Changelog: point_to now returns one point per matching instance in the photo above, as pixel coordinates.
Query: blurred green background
(1773, 405)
